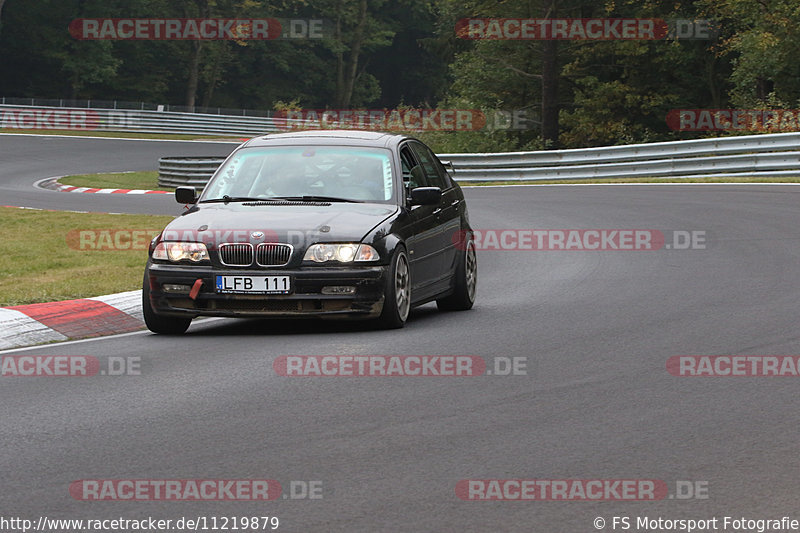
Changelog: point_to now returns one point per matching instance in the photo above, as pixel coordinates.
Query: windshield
(351, 173)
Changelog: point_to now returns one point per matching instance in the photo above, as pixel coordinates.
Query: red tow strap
(195, 289)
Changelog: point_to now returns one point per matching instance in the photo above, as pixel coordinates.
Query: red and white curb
(53, 184)
(25, 325)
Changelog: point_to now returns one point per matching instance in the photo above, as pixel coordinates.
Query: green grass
(116, 180)
(123, 134)
(777, 179)
(42, 260)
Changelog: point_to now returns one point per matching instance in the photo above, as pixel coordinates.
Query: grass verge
(44, 256)
(116, 180)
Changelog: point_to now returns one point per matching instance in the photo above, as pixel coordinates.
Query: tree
(1, 12)
(359, 28)
(550, 75)
(515, 74)
(762, 42)
(622, 90)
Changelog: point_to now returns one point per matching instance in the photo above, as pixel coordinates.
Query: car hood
(299, 225)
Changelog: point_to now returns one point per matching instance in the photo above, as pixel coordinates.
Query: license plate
(254, 284)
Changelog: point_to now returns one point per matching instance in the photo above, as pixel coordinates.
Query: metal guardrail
(193, 171)
(122, 104)
(788, 163)
(745, 156)
(137, 121)
(752, 155)
(632, 152)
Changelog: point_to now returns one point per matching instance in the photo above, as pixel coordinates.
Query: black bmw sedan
(331, 223)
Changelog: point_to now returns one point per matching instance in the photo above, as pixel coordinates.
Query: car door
(447, 215)
(423, 242)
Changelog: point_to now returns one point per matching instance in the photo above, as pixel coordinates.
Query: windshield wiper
(306, 198)
(315, 198)
(227, 199)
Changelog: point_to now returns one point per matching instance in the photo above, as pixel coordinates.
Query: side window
(434, 173)
(448, 180)
(413, 174)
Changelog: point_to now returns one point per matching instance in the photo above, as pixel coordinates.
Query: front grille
(236, 254)
(272, 254)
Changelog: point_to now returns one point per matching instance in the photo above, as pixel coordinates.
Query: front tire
(466, 282)
(397, 294)
(167, 325)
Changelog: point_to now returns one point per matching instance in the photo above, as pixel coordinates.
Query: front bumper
(305, 300)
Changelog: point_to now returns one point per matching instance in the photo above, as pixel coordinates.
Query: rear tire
(466, 283)
(166, 325)
(397, 293)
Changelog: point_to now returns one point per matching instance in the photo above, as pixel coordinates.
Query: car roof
(330, 137)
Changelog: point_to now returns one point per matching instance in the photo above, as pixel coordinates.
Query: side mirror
(185, 195)
(426, 196)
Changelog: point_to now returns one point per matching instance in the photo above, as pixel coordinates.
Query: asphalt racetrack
(594, 328)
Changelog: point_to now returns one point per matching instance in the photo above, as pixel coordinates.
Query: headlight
(344, 253)
(181, 251)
